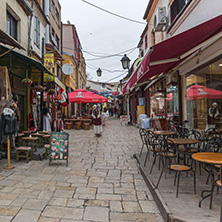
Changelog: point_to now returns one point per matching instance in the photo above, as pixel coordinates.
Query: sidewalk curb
(167, 215)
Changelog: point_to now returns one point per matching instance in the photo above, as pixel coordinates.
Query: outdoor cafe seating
(177, 152)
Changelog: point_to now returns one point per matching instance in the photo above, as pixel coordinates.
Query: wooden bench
(124, 118)
(20, 153)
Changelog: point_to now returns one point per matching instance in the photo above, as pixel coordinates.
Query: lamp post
(99, 72)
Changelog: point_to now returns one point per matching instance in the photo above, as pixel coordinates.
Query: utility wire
(103, 69)
(116, 77)
(106, 57)
(120, 54)
(132, 20)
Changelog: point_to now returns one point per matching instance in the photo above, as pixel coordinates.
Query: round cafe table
(209, 158)
(164, 133)
(183, 141)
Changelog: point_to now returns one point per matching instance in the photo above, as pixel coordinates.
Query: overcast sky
(102, 34)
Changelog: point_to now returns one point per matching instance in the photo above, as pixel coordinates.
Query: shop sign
(49, 60)
(59, 83)
(37, 77)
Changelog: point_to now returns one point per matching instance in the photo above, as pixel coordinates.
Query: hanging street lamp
(99, 72)
(125, 62)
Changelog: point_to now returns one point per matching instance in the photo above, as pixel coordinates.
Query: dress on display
(47, 122)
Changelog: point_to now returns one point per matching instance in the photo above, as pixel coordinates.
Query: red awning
(169, 53)
(83, 96)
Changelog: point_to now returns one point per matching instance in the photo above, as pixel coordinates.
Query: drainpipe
(29, 31)
(46, 11)
(42, 83)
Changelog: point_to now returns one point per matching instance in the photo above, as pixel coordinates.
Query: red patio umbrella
(83, 96)
(202, 92)
(169, 97)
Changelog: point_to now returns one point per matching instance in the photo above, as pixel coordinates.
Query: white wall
(204, 11)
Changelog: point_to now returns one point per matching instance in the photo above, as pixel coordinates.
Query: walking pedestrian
(97, 121)
(114, 110)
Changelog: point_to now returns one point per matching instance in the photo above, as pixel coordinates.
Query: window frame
(11, 22)
(37, 32)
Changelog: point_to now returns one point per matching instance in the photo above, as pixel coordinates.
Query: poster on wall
(59, 147)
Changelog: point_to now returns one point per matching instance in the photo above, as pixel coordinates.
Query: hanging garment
(35, 115)
(47, 122)
(31, 124)
(4, 104)
(33, 97)
(9, 122)
(64, 98)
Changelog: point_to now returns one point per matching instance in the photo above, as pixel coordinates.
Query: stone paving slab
(101, 184)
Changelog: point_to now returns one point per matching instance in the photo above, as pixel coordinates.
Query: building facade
(182, 65)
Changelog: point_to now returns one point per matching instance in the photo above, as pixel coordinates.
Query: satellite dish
(67, 69)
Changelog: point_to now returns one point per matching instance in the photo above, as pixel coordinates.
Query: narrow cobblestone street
(101, 183)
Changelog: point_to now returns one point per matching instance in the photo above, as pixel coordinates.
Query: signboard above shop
(36, 77)
(49, 60)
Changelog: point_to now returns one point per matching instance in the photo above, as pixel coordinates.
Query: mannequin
(213, 112)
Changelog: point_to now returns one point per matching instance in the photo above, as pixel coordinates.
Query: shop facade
(182, 84)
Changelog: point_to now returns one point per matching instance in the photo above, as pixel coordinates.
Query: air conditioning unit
(160, 19)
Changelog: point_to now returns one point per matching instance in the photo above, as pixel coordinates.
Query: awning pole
(42, 83)
(7, 52)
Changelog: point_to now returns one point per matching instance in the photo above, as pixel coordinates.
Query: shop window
(157, 104)
(37, 32)
(204, 97)
(172, 102)
(12, 26)
(177, 7)
(57, 17)
(53, 9)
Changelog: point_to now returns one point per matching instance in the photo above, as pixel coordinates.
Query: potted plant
(27, 82)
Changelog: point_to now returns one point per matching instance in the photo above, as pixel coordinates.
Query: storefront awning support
(180, 97)
(7, 52)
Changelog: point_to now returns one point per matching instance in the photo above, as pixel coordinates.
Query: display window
(157, 105)
(204, 97)
(172, 102)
